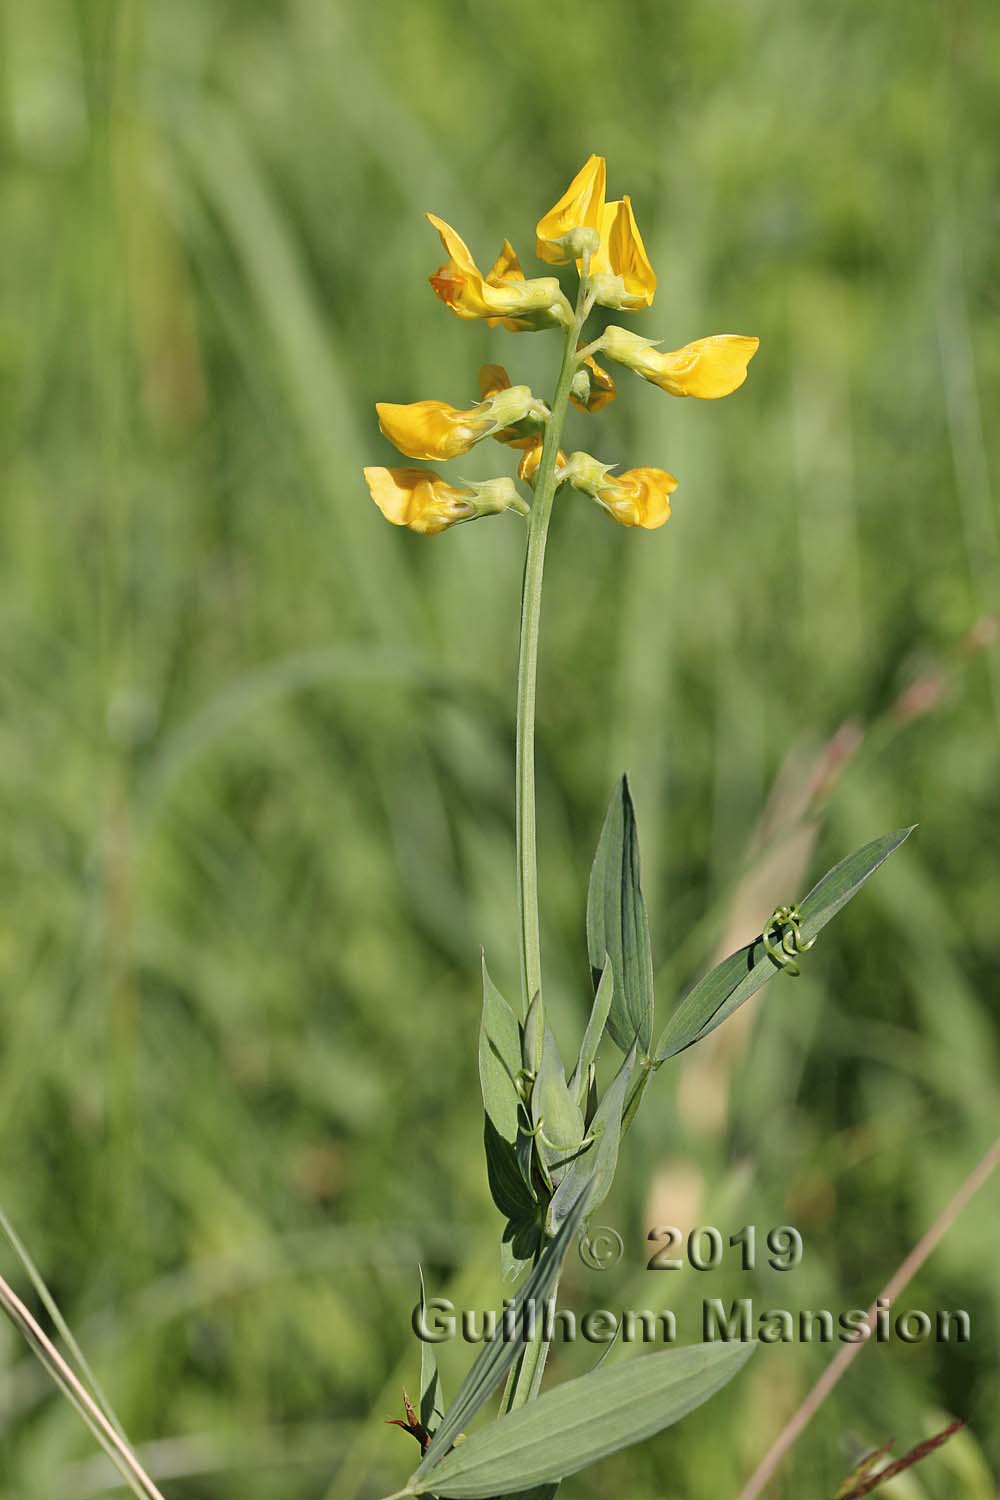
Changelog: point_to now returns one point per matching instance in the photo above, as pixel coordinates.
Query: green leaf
(714, 998)
(431, 1395)
(510, 1191)
(499, 1060)
(594, 1032)
(617, 925)
(495, 1358)
(597, 1166)
(554, 1108)
(582, 1421)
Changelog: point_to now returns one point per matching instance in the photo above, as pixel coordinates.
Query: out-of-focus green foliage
(256, 747)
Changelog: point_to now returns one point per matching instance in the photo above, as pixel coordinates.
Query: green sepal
(714, 999)
(595, 1030)
(617, 926)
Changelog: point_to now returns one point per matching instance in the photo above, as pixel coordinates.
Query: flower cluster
(602, 240)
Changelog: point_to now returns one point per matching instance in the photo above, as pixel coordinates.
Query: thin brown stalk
(788, 1436)
(873, 1481)
(114, 1446)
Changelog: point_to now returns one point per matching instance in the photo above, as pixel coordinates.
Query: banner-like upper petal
(622, 275)
(580, 207)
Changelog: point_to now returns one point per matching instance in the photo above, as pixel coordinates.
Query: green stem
(527, 1373)
(527, 674)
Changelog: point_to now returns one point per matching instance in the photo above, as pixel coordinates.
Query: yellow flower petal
(492, 378)
(506, 267)
(639, 497)
(418, 499)
(459, 282)
(528, 466)
(600, 261)
(621, 274)
(707, 368)
(580, 207)
(628, 256)
(431, 429)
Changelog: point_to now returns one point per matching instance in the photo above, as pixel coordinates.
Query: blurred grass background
(256, 746)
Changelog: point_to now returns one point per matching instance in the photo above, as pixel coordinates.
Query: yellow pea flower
(528, 467)
(558, 240)
(707, 368)
(639, 497)
(593, 387)
(621, 274)
(431, 429)
(503, 295)
(436, 431)
(424, 502)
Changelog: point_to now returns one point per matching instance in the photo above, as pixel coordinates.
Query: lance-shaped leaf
(594, 1032)
(431, 1395)
(499, 1060)
(731, 983)
(617, 925)
(582, 1421)
(496, 1357)
(596, 1168)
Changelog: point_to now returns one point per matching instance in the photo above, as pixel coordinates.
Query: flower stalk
(546, 485)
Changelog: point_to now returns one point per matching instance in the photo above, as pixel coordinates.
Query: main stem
(527, 1374)
(527, 673)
